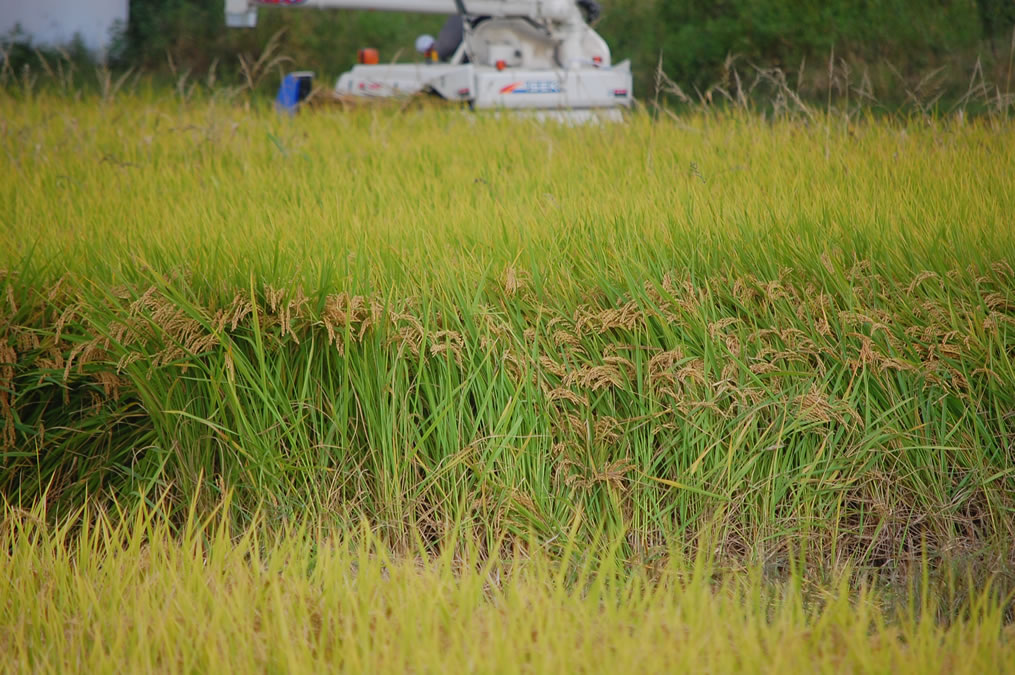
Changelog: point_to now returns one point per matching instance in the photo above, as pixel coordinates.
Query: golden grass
(130, 596)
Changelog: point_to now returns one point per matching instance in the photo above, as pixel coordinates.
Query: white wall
(54, 22)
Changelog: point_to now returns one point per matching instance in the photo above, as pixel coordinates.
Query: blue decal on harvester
(532, 87)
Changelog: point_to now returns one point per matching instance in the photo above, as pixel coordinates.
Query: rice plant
(800, 333)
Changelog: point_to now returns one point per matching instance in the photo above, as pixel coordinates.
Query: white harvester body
(487, 87)
(538, 55)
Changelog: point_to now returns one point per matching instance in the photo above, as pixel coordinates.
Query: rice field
(420, 389)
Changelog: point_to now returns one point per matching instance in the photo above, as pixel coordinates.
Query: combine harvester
(524, 55)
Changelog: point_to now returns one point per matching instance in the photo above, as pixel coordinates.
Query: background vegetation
(893, 44)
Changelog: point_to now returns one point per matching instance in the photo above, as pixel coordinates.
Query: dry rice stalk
(958, 379)
(732, 344)
(186, 336)
(447, 341)
(409, 336)
(595, 378)
(829, 266)
(342, 311)
(612, 348)
(357, 314)
(127, 359)
(288, 310)
(892, 363)
(8, 359)
(513, 365)
(989, 373)
(729, 373)
(238, 309)
(56, 290)
(272, 297)
(860, 269)
(868, 354)
(110, 384)
(25, 339)
(450, 336)
(10, 299)
(686, 295)
(128, 334)
(950, 350)
(763, 367)
(689, 408)
(563, 338)
(878, 321)
(606, 429)
(817, 407)
(447, 348)
(1003, 269)
(562, 462)
(743, 290)
(513, 281)
(552, 367)
(694, 371)
(749, 395)
(990, 324)
(717, 327)
(998, 302)
(919, 279)
(615, 473)
(664, 361)
(774, 291)
(66, 315)
(562, 394)
(74, 352)
(570, 423)
(494, 323)
(626, 317)
(612, 474)
(621, 363)
(661, 306)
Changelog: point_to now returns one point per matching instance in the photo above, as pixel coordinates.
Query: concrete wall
(55, 22)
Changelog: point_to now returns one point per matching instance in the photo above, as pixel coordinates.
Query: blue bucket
(295, 88)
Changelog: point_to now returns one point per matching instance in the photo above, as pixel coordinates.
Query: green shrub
(700, 35)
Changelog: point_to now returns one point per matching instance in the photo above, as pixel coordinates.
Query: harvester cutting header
(512, 54)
